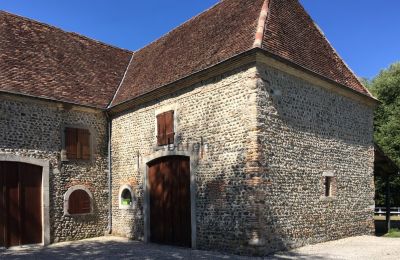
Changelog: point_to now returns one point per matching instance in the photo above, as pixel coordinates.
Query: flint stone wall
(29, 128)
(268, 138)
(307, 132)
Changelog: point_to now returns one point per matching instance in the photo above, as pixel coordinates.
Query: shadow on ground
(115, 248)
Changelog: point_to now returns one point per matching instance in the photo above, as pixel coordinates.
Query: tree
(386, 87)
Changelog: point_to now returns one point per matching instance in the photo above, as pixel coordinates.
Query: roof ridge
(122, 81)
(179, 26)
(262, 23)
(64, 31)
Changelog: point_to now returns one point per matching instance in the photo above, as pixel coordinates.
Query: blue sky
(365, 32)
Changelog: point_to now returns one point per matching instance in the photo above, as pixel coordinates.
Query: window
(79, 202)
(328, 186)
(126, 197)
(77, 143)
(165, 128)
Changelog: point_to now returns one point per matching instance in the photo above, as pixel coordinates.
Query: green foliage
(386, 87)
(394, 232)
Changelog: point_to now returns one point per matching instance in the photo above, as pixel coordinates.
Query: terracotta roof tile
(40, 60)
(43, 61)
(291, 34)
(226, 30)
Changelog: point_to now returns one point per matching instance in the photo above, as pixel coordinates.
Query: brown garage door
(169, 179)
(20, 204)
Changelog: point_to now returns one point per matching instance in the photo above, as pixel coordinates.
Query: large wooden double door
(170, 214)
(20, 204)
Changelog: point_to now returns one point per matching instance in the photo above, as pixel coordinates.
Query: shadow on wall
(234, 214)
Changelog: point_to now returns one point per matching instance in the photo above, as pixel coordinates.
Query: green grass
(394, 232)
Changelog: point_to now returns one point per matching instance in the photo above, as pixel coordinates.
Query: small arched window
(77, 200)
(126, 198)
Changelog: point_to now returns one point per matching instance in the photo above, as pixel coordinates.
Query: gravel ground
(364, 247)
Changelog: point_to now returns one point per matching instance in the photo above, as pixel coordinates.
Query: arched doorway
(169, 199)
(20, 204)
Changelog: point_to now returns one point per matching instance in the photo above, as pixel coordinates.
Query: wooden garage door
(169, 180)
(20, 204)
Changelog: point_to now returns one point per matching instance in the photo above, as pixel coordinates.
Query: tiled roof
(291, 34)
(228, 29)
(43, 61)
(40, 60)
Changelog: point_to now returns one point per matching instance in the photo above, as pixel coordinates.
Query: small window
(328, 186)
(79, 202)
(165, 128)
(126, 198)
(77, 144)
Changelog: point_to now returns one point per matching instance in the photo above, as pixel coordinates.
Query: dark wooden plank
(185, 205)
(71, 140)
(84, 141)
(31, 203)
(161, 137)
(156, 213)
(13, 234)
(79, 202)
(167, 174)
(2, 207)
(169, 126)
(169, 181)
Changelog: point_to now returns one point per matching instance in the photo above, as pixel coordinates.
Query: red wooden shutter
(161, 137)
(79, 202)
(169, 127)
(84, 144)
(70, 143)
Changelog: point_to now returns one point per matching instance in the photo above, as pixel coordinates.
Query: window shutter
(84, 143)
(79, 202)
(161, 137)
(169, 127)
(70, 143)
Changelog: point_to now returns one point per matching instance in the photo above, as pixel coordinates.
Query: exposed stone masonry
(269, 138)
(33, 129)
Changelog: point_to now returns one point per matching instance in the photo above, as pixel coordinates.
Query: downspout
(109, 171)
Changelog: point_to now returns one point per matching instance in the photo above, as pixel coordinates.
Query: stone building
(242, 130)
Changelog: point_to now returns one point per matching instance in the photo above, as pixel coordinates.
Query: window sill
(327, 199)
(125, 207)
(78, 215)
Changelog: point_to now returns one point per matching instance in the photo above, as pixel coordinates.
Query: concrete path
(366, 247)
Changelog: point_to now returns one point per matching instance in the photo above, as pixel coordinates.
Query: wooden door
(170, 217)
(20, 204)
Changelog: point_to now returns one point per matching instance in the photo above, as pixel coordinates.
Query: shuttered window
(79, 202)
(77, 143)
(165, 128)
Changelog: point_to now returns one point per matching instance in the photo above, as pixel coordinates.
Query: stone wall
(220, 114)
(306, 132)
(268, 138)
(31, 128)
